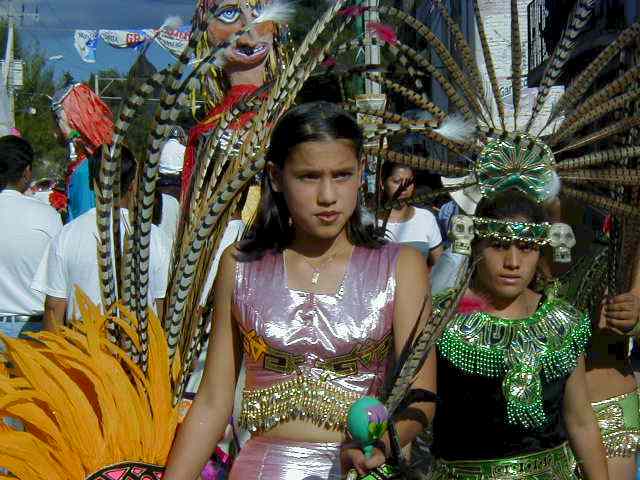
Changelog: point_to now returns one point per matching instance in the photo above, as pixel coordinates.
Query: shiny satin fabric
(318, 327)
(265, 458)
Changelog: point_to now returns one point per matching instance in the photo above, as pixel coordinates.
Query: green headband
(509, 231)
(558, 235)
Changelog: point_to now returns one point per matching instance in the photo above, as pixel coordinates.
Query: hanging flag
(125, 38)
(86, 42)
(173, 41)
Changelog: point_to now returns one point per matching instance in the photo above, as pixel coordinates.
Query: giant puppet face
(231, 16)
(77, 108)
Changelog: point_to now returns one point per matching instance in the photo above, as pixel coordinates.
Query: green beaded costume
(520, 351)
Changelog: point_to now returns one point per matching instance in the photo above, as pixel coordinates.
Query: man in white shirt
(72, 259)
(27, 226)
(170, 217)
(171, 162)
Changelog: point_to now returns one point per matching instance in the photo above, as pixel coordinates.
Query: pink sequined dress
(310, 356)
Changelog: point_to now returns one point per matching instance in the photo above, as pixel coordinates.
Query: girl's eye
(228, 14)
(343, 175)
(257, 10)
(526, 247)
(499, 245)
(309, 176)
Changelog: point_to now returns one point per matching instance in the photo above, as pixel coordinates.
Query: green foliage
(39, 128)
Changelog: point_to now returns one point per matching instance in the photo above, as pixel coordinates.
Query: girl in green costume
(511, 376)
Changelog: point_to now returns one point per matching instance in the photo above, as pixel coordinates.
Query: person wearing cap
(169, 182)
(83, 124)
(464, 201)
(27, 226)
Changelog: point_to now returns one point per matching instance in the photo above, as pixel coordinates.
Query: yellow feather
(84, 402)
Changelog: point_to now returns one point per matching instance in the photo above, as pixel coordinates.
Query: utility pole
(9, 82)
(371, 52)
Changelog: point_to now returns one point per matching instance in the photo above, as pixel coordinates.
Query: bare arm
(584, 434)
(207, 418)
(434, 255)
(411, 291)
(54, 312)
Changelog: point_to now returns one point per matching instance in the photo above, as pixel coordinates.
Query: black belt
(20, 318)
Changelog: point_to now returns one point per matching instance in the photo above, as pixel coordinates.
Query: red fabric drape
(235, 95)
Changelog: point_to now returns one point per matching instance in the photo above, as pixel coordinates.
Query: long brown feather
(620, 85)
(581, 84)
(615, 176)
(614, 206)
(468, 58)
(470, 88)
(488, 59)
(598, 158)
(416, 98)
(613, 129)
(577, 21)
(463, 104)
(516, 61)
(420, 163)
(572, 124)
(423, 344)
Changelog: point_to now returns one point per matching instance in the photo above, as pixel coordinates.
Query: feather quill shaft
(488, 59)
(516, 62)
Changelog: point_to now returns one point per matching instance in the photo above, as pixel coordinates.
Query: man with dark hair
(72, 258)
(27, 226)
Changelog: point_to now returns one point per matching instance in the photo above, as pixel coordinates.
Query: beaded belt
(554, 464)
(619, 422)
(324, 404)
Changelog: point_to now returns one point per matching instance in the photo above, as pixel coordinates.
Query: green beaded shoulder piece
(547, 343)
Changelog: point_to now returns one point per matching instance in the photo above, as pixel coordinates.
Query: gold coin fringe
(318, 401)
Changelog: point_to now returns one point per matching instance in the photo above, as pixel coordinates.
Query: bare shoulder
(412, 266)
(229, 258)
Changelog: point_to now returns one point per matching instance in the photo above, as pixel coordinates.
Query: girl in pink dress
(317, 304)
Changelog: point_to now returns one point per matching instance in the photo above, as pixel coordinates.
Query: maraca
(367, 422)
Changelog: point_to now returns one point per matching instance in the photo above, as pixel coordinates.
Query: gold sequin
(319, 401)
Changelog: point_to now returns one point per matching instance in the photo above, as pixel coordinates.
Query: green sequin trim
(520, 351)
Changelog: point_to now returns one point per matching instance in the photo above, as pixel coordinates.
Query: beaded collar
(519, 351)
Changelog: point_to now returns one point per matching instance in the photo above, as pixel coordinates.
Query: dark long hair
(309, 122)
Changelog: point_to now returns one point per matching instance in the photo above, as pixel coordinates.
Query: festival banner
(86, 42)
(174, 41)
(124, 38)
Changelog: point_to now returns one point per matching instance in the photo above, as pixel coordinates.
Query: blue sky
(59, 18)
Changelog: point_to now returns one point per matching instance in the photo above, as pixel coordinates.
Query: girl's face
(320, 182)
(231, 16)
(393, 182)
(506, 270)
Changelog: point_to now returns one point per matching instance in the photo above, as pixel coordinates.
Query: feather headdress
(478, 145)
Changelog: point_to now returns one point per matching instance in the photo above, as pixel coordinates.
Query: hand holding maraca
(367, 422)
